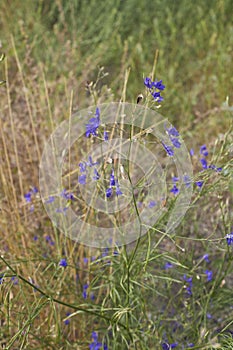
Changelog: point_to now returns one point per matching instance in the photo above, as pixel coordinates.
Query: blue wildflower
(203, 163)
(148, 83)
(199, 183)
(203, 151)
(85, 287)
(189, 280)
(113, 183)
(175, 190)
(152, 204)
(105, 252)
(206, 258)
(229, 238)
(172, 131)
(158, 85)
(175, 179)
(191, 152)
(50, 199)
(109, 192)
(34, 190)
(93, 124)
(173, 134)
(112, 179)
(166, 346)
(95, 345)
(168, 149)
(96, 175)
(214, 168)
(65, 194)
(176, 143)
(66, 322)
(27, 196)
(153, 86)
(156, 95)
(158, 98)
(105, 135)
(209, 275)
(82, 166)
(49, 240)
(15, 280)
(82, 179)
(118, 190)
(90, 162)
(63, 262)
(168, 265)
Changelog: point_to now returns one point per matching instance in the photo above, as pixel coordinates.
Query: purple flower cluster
(95, 345)
(84, 168)
(48, 240)
(174, 138)
(51, 199)
(199, 183)
(168, 265)
(229, 238)
(206, 258)
(152, 204)
(113, 183)
(93, 124)
(65, 194)
(66, 322)
(63, 262)
(85, 292)
(175, 190)
(189, 281)
(204, 153)
(28, 196)
(209, 275)
(168, 149)
(105, 135)
(167, 346)
(155, 88)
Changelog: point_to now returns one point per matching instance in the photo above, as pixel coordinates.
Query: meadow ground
(163, 291)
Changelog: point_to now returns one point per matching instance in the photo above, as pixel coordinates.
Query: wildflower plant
(132, 181)
(117, 173)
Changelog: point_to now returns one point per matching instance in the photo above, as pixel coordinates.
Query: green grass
(52, 49)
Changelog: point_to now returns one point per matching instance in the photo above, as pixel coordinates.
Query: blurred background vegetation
(71, 38)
